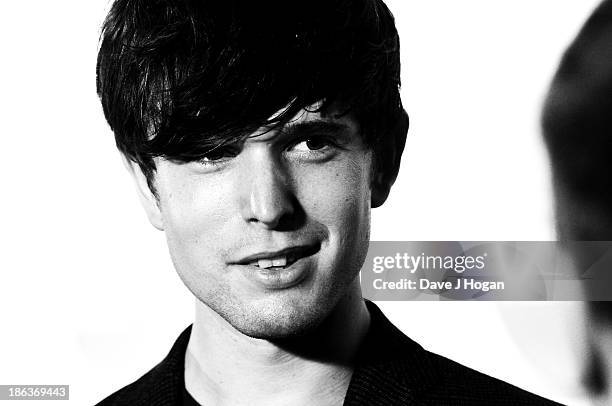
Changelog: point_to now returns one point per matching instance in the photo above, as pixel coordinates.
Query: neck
(226, 367)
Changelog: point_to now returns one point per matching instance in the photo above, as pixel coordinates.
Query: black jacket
(391, 369)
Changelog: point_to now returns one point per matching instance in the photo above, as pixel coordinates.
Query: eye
(311, 144)
(311, 148)
(219, 155)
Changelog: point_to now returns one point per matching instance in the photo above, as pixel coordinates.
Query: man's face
(271, 233)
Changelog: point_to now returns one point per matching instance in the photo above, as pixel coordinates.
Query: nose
(268, 200)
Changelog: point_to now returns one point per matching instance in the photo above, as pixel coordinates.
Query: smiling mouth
(280, 269)
(280, 259)
(278, 262)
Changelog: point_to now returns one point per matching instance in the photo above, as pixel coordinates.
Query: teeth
(264, 263)
(279, 261)
(268, 263)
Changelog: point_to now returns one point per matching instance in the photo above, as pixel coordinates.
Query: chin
(277, 319)
(278, 331)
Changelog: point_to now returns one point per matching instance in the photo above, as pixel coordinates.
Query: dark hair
(179, 78)
(577, 126)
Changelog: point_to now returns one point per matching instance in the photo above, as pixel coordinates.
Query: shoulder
(136, 393)
(459, 385)
(162, 385)
(394, 370)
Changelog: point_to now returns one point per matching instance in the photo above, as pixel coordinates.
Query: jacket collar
(391, 369)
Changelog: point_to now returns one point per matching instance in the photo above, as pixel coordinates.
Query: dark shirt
(390, 369)
(188, 400)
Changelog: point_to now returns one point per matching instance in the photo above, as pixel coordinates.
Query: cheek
(193, 221)
(339, 197)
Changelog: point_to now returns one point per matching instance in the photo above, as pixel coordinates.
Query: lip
(277, 278)
(298, 252)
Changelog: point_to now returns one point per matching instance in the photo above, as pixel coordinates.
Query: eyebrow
(314, 127)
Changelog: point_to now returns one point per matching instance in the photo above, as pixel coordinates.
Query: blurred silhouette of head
(577, 124)
(577, 128)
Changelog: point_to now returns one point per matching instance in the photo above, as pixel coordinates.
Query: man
(260, 134)
(577, 126)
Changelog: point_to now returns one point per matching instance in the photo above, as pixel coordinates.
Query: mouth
(279, 259)
(282, 269)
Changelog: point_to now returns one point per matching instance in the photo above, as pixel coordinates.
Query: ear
(147, 198)
(387, 160)
(380, 190)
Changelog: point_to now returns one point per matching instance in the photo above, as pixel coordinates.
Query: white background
(88, 296)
